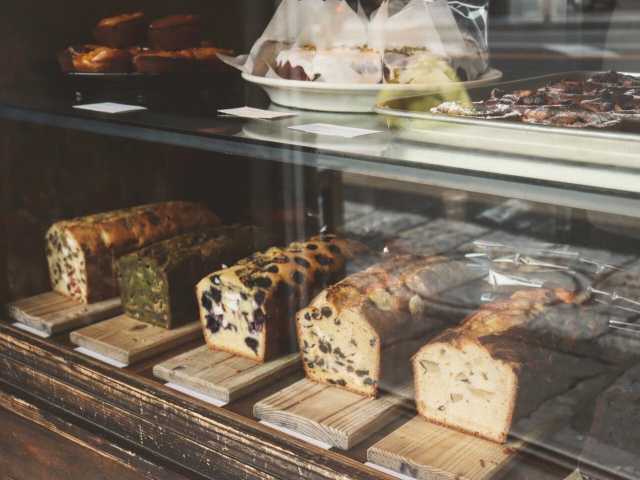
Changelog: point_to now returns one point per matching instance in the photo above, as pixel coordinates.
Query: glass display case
(320, 239)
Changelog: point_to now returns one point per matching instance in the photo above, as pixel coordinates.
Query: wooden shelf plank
(52, 313)
(221, 375)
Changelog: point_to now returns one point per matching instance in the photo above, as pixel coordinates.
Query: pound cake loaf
(360, 334)
(157, 282)
(81, 252)
(249, 308)
(492, 370)
(121, 31)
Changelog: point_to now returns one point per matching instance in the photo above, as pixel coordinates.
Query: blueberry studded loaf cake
(498, 365)
(361, 333)
(81, 252)
(157, 282)
(248, 309)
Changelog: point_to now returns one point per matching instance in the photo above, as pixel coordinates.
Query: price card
(109, 107)
(256, 113)
(333, 130)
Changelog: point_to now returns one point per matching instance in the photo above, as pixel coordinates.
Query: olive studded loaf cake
(157, 282)
(494, 368)
(249, 308)
(81, 253)
(360, 334)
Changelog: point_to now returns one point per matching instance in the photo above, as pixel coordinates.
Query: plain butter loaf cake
(361, 333)
(157, 282)
(248, 309)
(81, 252)
(499, 365)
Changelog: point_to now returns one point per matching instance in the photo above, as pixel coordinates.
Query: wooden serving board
(326, 413)
(127, 341)
(426, 451)
(52, 313)
(221, 375)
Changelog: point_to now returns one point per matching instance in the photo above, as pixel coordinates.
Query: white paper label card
(32, 330)
(195, 394)
(256, 113)
(109, 107)
(100, 357)
(333, 130)
(388, 471)
(299, 436)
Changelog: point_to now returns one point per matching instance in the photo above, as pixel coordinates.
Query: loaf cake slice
(249, 308)
(81, 252)
(361, 333)
(156, 283)
(492, 370)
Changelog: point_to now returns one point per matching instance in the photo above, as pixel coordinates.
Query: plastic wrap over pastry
(328, 41)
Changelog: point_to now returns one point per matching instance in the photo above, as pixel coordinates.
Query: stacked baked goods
(599, 101)
(128, 43)
(151, 255)
(81, 252)
(248, 309)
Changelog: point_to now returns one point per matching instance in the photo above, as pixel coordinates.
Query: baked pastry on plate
(163, 61)
(175, 32)
(102, 60)
(333, 65)
(121, 31)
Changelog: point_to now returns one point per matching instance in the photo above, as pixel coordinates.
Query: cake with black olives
(249, 308)
(81, 252)
(360, 333)
(156, 283)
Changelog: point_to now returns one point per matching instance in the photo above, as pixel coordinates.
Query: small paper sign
(100, 357)
(31, 330)
(256, 113)
(298, 435)
(388, 471)
(109, 107)
(195, 394)
(333, 130)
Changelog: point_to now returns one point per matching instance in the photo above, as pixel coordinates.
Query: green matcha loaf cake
(249, 308)
(81, 252)
(157, 283)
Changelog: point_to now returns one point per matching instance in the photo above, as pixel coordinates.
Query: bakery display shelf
(184, 429)
(50, 313)
(523, 174)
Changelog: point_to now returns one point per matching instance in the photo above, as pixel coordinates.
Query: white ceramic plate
(346, 97)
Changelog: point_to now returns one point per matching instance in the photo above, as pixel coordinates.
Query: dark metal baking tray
(411, 120)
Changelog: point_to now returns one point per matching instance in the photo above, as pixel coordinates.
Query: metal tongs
(612, 299)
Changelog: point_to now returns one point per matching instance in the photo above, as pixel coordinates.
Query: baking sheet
(619, 145)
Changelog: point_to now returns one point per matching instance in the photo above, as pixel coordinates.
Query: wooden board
(221, 375)
(430, 452)
(128, 341)
(52, 313)
(326, 413)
